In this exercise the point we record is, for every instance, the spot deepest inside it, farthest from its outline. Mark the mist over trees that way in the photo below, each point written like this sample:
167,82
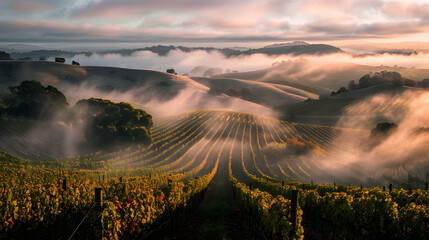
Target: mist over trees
33,101
103,123
110,124
378,134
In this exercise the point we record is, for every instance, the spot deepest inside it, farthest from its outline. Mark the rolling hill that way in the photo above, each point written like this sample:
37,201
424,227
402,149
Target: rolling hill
158,92
195,141
265,94
320,78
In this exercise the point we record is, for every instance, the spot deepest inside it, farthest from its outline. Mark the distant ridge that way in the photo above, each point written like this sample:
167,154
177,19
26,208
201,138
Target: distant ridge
294,48
294,43
300,49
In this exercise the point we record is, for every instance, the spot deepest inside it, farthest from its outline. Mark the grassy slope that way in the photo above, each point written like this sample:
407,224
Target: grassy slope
265,94
323,78
153,90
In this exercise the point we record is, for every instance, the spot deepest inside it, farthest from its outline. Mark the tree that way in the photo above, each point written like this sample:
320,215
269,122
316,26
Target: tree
31,100
60,60
341,90
5,56
398,82
75,63
383,129
365,81
110,124
378,134
425,83
353,85
172,71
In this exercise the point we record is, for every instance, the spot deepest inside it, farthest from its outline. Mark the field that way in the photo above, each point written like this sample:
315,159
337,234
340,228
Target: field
158,187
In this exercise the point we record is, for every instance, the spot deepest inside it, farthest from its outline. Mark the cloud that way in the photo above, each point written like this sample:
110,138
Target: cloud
30,6
330,28
392,28
406,10
236,20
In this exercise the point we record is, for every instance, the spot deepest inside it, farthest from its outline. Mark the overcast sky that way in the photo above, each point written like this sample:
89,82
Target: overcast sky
214,20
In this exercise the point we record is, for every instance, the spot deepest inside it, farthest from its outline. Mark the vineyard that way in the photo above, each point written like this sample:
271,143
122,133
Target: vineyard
276,169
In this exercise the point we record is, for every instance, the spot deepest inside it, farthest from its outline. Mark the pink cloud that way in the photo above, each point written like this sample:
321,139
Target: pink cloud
409,10
29,6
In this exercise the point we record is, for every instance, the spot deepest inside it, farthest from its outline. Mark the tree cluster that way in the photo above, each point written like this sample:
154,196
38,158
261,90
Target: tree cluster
107,124
33,101
5,56
395,78
110,124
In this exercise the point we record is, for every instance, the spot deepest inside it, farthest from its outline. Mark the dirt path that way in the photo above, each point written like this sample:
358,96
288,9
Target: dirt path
218,216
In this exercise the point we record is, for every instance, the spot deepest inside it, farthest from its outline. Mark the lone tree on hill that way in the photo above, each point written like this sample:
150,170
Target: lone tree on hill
60,60
110,125
172,71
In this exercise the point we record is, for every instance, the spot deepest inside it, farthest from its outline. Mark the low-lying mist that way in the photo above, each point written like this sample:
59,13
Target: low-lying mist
190,62
187,99
402,153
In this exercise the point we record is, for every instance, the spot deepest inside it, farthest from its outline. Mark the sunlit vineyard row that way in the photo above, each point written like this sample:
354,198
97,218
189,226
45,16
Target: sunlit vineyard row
355,212
49,201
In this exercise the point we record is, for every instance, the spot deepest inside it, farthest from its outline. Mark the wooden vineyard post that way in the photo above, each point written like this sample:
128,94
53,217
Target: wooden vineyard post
390,187
334,184
98,212
64,186
283,183
311,182
250,186
410,191
426,188
384,188
294,210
